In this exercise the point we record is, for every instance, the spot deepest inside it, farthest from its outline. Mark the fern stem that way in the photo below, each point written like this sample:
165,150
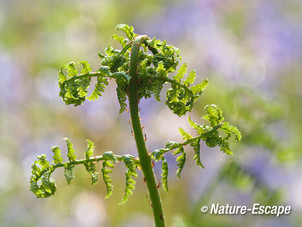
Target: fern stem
144,157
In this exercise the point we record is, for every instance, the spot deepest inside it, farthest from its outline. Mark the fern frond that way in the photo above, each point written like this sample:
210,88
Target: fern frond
210,134
181,72
181,160
43,186
130,174
68,173
191,78
196,148
57,157
127,29
185,135
40,182
107,178
164,174
71,156
120,39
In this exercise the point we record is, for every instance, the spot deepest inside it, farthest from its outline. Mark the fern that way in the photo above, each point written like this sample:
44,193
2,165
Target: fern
181,72
165,171
130,173
68,172
90,166
57,157
141,69
181,160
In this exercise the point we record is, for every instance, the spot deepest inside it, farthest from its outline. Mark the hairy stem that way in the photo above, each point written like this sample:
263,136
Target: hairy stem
144,157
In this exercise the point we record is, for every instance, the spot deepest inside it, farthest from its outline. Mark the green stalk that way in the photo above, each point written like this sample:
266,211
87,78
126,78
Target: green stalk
144,157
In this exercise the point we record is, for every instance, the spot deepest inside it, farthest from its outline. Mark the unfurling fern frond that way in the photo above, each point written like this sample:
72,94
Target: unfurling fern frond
43,186
181,160
180,97
164,174
196,147
181,72
68,172
130,174
107,178
57,157
210,134
109,162
140,68
127,29
70,154
74,85
90,166
40,182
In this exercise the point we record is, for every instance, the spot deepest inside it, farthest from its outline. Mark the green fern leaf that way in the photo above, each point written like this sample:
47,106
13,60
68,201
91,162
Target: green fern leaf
57,157
180,162
127,29
199,88
122,94
171,145
108,163
86,66
130,173
90,149
120,39
40,182
161,71
91,168
165,171
214,116
196,148
68,173
195,126
190,79
71,70
62,77
231,130
181,72
71,156
178,151
130,185
184,134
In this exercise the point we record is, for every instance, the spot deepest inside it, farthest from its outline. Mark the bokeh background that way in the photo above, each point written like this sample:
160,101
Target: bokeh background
251,52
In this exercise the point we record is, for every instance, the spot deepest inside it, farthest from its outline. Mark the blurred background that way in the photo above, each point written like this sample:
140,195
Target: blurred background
251,53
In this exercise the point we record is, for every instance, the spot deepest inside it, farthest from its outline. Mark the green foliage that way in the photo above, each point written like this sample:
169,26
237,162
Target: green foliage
107,178
196,147
40,182
109,161
90,166
211,134
70,154
68,172
154,62
181,73
164,175
217,133
127,29
184,134
181,160
157,60
130,173
57,157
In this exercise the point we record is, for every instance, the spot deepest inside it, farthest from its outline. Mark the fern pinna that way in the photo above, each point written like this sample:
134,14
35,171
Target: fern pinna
140,69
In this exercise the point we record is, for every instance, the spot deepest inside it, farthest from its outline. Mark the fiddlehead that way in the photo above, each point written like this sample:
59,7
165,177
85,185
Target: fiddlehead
140,69
209,133
43,186
130,173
